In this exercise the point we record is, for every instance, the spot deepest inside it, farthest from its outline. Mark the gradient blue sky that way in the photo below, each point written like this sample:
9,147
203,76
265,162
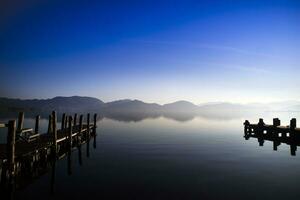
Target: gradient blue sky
155,51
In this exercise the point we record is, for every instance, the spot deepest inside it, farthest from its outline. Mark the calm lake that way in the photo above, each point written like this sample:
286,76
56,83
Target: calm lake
163,158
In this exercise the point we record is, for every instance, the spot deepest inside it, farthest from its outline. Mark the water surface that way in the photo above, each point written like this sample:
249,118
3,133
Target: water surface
161,158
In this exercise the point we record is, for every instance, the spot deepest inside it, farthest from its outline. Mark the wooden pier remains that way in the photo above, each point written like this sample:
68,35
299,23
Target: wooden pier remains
27,147
275,133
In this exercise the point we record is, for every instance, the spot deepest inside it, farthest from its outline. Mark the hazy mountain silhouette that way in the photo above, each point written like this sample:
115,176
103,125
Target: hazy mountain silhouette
135,110
60,104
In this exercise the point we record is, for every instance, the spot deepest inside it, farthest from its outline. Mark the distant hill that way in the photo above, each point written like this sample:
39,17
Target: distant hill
181,107
60,104
135,110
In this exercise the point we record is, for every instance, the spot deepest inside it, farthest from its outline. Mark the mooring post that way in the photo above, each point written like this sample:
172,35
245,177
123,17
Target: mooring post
37,124
75,119
63,119
54,132
79,140
79,135
20,121
88,125
70,132
11,142
95,125
70,145
50,126
260,126
293,124
66,122
246,126
276,122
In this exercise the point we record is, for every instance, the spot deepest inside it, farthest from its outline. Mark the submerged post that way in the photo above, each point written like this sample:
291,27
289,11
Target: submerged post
37,123
11,142
20,121
54,132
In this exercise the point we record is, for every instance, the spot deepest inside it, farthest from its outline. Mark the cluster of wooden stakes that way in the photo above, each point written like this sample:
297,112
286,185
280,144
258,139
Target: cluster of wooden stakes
28,149
276,133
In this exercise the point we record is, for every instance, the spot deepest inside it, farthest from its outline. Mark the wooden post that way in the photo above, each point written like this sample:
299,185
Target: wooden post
75,119
66,122
20,121
50,130
80,123
261,122
95,124
11,139
80,130
37,123
276,122
70,132
63,119
70,145
54,131
293,124
88,125
246,126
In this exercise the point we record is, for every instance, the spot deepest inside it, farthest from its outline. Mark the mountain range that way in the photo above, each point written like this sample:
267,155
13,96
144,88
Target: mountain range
135,109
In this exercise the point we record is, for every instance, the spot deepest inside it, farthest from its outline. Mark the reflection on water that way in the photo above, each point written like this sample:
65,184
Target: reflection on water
33,168
163,158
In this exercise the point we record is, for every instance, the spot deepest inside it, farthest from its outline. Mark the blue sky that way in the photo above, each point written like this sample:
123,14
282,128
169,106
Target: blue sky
155,51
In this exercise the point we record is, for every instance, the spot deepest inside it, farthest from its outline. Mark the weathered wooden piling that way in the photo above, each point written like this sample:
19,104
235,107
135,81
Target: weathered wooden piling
278,134
11,142
63,119
37,124
276,122
95,124
75,119
30,156
293,124
20,121
50,124
88,125
54,132
80,129
66,122
70,131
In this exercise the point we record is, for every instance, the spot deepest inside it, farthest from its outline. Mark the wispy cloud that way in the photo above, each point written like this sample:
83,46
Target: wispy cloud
207,46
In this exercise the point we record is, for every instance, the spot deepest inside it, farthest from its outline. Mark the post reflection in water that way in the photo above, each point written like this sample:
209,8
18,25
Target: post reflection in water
275,133
30,171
